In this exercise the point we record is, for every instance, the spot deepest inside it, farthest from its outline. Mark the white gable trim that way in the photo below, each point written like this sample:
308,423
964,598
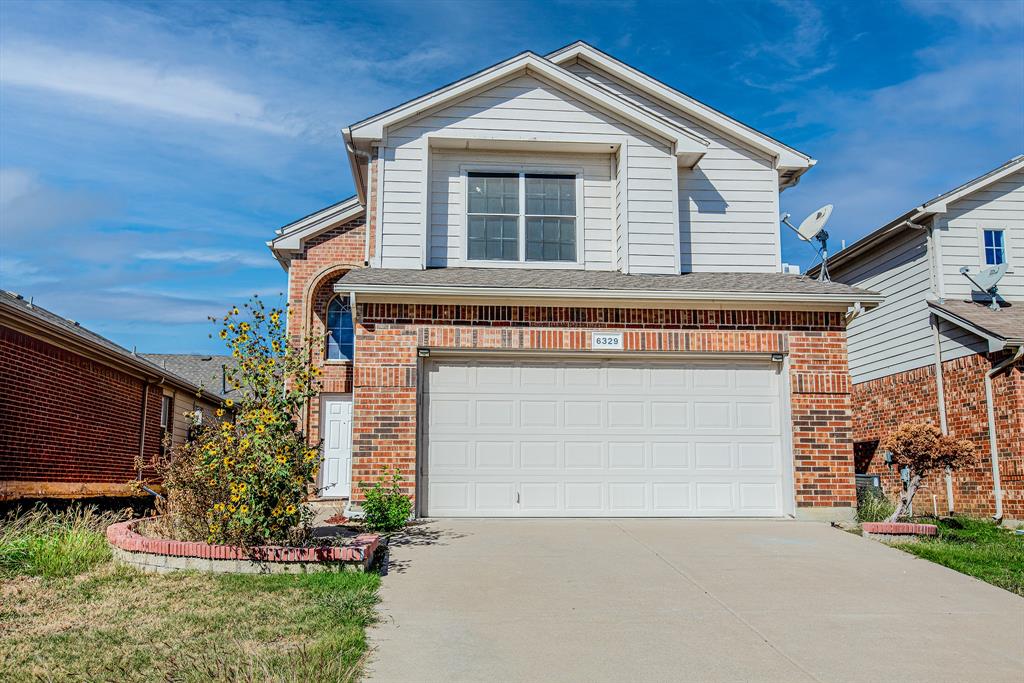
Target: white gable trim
787,157
689,147
941,203
293,236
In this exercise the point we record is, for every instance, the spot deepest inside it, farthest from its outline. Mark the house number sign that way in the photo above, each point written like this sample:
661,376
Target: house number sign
606,341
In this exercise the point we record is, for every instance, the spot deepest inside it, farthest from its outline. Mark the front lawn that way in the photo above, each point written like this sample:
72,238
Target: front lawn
978,548
85,618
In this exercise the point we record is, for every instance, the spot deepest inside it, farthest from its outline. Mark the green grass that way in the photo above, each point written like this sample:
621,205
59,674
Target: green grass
978,548
873,506
113,623
53,544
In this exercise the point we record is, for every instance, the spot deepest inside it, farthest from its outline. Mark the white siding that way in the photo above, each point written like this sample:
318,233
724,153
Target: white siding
728,217
956,342
896,336
998,206
526,104
448,194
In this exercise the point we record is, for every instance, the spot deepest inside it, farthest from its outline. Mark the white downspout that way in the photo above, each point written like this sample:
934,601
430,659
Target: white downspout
993,447
940,393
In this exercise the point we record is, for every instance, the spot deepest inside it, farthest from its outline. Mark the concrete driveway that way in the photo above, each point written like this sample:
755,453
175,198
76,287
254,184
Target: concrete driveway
688,600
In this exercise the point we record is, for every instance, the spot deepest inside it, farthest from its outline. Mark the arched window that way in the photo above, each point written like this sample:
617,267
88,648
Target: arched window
340,335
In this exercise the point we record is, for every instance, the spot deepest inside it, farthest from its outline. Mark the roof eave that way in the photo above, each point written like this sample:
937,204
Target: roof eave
704,299
786,156
686,145
142,368
995,341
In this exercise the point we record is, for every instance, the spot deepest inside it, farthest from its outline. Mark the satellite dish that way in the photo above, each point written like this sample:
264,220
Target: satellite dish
986,280
813,228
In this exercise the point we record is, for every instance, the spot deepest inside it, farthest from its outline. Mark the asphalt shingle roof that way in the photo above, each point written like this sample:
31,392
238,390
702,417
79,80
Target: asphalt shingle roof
527,278
207,371
1006,323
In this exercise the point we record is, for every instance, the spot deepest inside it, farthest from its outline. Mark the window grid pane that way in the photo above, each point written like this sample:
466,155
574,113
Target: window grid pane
494,238
340,332
995,252
550,239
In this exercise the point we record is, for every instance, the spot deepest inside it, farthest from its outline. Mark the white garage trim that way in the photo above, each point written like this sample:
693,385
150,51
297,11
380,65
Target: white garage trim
583,435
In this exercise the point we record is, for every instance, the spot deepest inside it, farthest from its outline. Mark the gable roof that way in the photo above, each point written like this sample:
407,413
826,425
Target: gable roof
787,157
685,144
291,238
15,309
1001,328
935,205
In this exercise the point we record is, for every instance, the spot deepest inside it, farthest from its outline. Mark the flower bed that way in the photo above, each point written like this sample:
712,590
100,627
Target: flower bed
162,555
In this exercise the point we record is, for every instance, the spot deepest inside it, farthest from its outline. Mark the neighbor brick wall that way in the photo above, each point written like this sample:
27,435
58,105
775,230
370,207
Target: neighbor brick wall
882,404
67,418
388,336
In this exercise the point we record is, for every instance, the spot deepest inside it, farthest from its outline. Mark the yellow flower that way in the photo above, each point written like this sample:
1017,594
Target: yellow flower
220,412
228,462
229,403
260,429
243,445
244,327
281,458
225,426
231,508
276,512
213,465
223,334
244,509
275,317
310,455
290,509
242,487
219,507
234,311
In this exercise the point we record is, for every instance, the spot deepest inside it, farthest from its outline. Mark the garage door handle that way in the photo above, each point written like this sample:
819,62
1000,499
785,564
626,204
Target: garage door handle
517,496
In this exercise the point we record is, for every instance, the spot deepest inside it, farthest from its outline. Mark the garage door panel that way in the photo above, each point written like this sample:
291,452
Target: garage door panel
602,438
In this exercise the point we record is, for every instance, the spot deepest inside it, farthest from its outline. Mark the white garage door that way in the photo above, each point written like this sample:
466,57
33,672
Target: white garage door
566,438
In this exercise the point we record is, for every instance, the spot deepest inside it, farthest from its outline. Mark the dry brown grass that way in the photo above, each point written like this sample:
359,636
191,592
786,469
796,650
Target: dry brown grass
117,624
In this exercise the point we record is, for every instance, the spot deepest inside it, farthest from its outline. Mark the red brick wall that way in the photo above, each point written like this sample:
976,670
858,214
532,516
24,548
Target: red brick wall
67,418
882,404
385,377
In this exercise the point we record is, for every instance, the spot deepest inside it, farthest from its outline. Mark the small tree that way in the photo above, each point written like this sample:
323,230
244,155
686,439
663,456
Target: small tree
923,449
244,480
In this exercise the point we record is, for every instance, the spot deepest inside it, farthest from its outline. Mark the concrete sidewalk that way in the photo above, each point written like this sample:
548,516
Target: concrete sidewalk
696,600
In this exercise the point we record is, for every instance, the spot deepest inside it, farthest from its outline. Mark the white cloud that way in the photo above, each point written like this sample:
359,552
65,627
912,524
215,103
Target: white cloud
1000,15
143,85
16,273
210,256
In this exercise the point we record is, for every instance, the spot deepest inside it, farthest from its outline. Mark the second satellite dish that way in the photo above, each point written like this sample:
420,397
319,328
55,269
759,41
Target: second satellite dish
986,281
813,228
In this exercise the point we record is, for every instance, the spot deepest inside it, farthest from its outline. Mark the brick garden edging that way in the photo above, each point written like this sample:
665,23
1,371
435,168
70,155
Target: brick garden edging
162,555
897,532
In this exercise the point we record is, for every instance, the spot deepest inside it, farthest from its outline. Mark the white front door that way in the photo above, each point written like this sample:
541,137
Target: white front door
336,427
622,438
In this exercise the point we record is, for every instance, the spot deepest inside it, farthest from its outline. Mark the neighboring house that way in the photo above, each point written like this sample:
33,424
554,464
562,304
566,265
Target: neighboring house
78,413
925,353
203,370
558,292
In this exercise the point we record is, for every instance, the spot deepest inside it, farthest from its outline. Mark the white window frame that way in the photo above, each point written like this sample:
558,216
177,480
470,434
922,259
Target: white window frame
522,170
1006,245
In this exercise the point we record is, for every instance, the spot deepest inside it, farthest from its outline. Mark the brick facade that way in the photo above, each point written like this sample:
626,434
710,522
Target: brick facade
68,419
388,337
882,404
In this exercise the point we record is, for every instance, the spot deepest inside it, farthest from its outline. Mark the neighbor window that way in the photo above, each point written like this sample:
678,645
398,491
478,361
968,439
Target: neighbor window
340,334
995,249
521,217
166,420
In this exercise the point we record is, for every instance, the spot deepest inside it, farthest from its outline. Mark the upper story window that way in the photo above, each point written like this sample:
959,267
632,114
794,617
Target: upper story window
995,248
521,217
340,333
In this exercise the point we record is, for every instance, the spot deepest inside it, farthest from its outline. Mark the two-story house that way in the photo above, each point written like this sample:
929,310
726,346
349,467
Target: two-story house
558,292
935,351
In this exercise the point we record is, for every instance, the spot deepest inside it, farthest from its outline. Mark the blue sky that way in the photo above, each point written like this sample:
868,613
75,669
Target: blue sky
148,150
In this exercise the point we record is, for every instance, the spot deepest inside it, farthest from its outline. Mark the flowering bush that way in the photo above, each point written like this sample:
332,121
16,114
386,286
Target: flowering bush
386,508
921,449
244,480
